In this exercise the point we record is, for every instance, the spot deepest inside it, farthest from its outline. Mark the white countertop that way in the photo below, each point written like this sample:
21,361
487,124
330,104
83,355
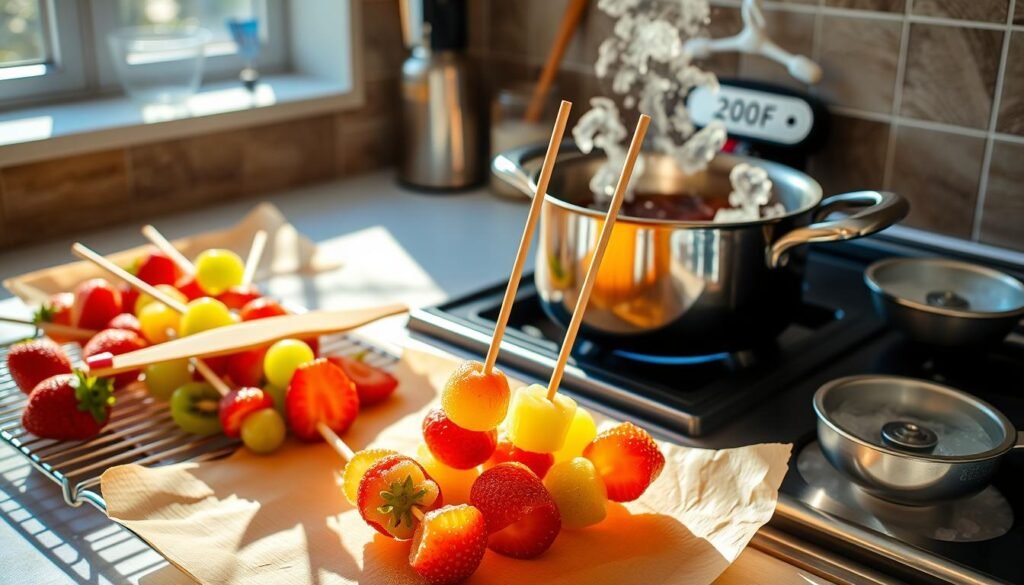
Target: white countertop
395,245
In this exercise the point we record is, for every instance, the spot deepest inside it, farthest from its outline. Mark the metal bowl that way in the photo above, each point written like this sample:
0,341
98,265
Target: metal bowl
911,441
944,302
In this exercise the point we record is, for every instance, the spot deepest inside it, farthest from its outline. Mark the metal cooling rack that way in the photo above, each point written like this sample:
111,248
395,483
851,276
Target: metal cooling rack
140,431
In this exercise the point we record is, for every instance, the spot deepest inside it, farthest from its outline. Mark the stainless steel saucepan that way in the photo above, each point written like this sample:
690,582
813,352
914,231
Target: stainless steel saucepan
685,287
911,441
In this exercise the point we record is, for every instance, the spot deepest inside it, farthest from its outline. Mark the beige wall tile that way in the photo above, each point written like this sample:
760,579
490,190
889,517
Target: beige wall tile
544,19
508,26
725,22
854,156
876,5
939,173
874,46
1002,218
384,50
3,220
477,25
67,195
288,154
383,98
1011,106
367,147
595,27
982,10
951,74
792,30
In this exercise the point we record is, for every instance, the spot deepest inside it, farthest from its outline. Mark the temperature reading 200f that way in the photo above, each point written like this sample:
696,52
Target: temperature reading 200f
749,112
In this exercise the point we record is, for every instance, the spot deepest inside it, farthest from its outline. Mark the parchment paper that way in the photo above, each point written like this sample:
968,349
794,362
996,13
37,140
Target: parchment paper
281,519
287,252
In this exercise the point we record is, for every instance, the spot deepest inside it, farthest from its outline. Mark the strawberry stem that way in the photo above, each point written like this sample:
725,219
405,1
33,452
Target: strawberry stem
94,395
400,500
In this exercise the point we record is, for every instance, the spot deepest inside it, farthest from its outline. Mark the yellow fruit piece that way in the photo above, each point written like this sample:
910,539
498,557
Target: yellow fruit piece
455,483
474,400
203,314
582,431
218,269
159,322
356,469
579,492
536,423
145,300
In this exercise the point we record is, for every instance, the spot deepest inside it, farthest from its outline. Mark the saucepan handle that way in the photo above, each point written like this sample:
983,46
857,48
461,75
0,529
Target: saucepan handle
510,166
877,211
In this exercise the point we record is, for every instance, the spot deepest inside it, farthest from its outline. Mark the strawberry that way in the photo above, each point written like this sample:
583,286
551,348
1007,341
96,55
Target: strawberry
449,544
245,368
33,361
390,489
157,268
374,385
218,364
261,308
628,460
68,407
115,342
522,517
455,446
505,451
127,322
237,297
129,296
96,303
57,310
238,404
320,392
188,286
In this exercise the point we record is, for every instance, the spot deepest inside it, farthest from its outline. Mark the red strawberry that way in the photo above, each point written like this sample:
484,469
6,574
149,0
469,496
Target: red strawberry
449,544
245,368
539,463
129,296
115,342
188,286
628,460
57,310
320,392
521,515
455,446
68,407
388,492
237,297
33,361
125,321
96,303
238,404
157,268
374,385
261,308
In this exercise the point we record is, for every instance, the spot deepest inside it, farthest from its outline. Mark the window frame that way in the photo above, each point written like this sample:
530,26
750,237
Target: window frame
79,64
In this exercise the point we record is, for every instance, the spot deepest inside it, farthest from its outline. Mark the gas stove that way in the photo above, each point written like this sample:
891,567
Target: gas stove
764,395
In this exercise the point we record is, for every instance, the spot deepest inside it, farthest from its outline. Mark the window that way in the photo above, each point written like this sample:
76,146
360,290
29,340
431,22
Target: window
44,54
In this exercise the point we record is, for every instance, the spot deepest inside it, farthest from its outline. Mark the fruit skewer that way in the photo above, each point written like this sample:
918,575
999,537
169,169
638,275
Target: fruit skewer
53,329
165,246
252,261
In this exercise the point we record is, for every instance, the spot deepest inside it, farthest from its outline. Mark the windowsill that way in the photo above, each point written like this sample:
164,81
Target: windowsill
33,134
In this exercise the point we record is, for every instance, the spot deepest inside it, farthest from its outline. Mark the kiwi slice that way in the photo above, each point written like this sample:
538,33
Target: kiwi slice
195,407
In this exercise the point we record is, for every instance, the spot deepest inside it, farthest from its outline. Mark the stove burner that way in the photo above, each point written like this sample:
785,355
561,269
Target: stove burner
946,299
983,516
909,436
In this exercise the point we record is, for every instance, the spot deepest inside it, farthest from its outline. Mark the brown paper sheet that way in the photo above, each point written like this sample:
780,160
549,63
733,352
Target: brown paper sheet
287,252
281,519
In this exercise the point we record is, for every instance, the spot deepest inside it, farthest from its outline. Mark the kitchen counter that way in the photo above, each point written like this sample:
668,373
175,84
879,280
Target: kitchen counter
393,244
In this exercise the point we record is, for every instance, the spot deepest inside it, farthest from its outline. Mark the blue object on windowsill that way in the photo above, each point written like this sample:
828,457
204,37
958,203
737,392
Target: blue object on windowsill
246,34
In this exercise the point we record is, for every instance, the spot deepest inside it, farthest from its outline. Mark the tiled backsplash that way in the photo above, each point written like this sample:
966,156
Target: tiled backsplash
927,99
927,96
56,197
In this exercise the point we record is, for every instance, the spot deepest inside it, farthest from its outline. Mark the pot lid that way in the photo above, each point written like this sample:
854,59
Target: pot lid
947,287
914,418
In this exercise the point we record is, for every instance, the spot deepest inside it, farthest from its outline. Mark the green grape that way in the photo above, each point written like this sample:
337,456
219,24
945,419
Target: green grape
164,378
277,394
203,314
195,407
217,270
263,431
283,358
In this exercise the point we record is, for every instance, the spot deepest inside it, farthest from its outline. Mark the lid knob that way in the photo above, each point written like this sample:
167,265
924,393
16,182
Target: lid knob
947,299
908,436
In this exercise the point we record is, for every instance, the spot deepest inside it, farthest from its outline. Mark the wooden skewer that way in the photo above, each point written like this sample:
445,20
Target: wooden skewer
573,13
524,244
335,441
85,253
53,328
252,262
595,262
210,376
241,336
153,235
